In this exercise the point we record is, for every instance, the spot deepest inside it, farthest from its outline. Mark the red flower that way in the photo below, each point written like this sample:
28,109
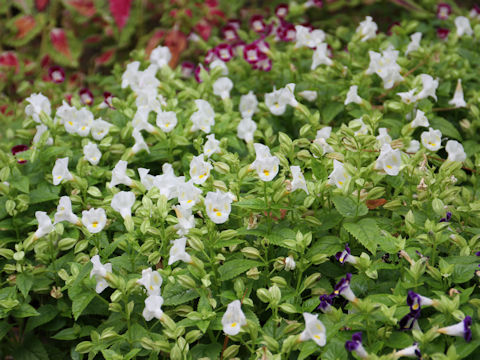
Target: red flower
56,74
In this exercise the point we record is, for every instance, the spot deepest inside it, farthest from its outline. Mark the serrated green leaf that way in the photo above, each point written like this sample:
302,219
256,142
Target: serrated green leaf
349,207
235,267
47,313
366,232
174,294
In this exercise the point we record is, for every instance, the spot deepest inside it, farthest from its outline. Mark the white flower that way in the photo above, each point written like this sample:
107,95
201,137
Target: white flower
199,169
153,307
411,351
60,171
367,29
131,74
287,95
463,26
84,120
321,139
44,224
458,101
211,146
305,37
429,87
408,97
119,175
160,56
222,87
246,128
265,164
100,272
146,179
218,63
389,160
298,181
414,146
148,100
431,139
455,151
166,120
338,176
272,101
151,280
234,318
188,194
308,95
420,120
140,120
168,183
320,56
140,143
177,251
314,330
290,263
414,43
204,118
64,211
100,128
64,112
40,130
218,206
352,96
123,202
91,153
94,219
385,66
186,220
248,105
358,123
37,104
383,137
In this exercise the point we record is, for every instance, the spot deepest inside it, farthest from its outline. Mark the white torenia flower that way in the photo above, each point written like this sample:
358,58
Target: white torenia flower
140,120
246,128
222,87
389,160
168,183
60,171
248,105
122,202
153,307
147,100
100,128
408,97
131,74
298,181
383,137
429,88
460,329
64,211
385,66
204,118
186,220
160,56
147,180
352,96
287,95
151,280
177,251
94,219
314,330
308,95
188,194
218,206
367,29
272,101
420,120
199,169
360,125
45,225
140,143
455,151
40,130
119,175
338,176
211,146
458,101
84,120
265,164
166,120
234,318
463,26
36,104
414,43
431,139
217,63
290,263
414,146
306,37
320,56
411,351
321,139
91,153
100,272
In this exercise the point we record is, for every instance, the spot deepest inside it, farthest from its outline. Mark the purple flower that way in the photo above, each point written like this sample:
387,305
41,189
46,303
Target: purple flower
265,64
356,345
442,33
447,217
410,351
86,96
281,10
56,74
409,321
343,288
477,253
416,301
251,53
224,52
345,256
460,329
325,303
19,149
443,11
257,23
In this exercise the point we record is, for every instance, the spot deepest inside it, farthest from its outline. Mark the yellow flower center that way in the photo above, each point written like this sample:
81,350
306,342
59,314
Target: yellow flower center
266,172
70,123
415,307
95,224
316,337
59,177
218,213
389,166
234,324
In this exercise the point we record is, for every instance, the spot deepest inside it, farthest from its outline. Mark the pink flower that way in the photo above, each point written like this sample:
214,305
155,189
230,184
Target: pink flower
286,32
281,10
224,52
443,11
251,53
230,33
107,99
257,23
234,22
56,74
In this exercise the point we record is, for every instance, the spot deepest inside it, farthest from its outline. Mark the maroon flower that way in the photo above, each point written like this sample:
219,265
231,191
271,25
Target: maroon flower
107,99
230,33
211,55
234,22
86,96
19,149
286,32
224,52
442,33
281,10
257,23
56,74
187,68
198,69
443,11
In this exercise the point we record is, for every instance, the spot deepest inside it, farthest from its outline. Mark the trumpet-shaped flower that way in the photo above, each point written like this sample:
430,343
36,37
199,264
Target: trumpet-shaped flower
140,120
151,280
443,11
304,36
385,66
408,97
168,183
153,307
222,87
460,329
36,104
389,160
248,105
64,211
44,224
100,272
60,171
414,43
420,120
352,96
383,137
160,56
204,118
94,219
416,301
40,130
355,345
320,56
298,181
188,194
360,125
455,151
86,96
272,100
411,351
308,95
246,128
140,143
177,251
458,101
429,87
314,330
290,263
84,120
367,29
166,120
218,206
199,169
265,164
287,95
432,139
410,321
122,202
119,175
338,176
234,318
322,137
91,153
345,256
211,146
414,146
463,26
343,288
146,179
131,74
100,128
186,220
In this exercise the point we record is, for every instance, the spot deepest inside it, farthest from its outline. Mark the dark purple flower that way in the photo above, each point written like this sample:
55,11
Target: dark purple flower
443,11
356,345
416,301
86,96
442,33
281,10
345,256
224,52
229,33
188,68
238,47
447,217
107,99
262,45
326,302
467,331
257,23
343,288
460,329
409,321
477,253
19,149
475,12
56,74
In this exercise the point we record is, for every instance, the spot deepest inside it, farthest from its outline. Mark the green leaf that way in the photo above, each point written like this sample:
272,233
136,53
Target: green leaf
366,232
252,204
4,328
30,349
24,310
44,192
235,267
331,110
174,294
318,169
335,350
47,313
210,351
21,183
24,283
446,127
349,207
399,340
307,348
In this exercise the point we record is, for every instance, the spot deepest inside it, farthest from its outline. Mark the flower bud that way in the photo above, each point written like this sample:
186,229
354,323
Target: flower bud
186,281
231,351
251,253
